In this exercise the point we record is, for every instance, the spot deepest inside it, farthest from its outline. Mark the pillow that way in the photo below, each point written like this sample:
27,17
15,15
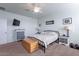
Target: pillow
43,33
49,33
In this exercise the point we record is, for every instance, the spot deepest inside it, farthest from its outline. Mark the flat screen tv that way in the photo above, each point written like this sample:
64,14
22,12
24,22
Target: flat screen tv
16,22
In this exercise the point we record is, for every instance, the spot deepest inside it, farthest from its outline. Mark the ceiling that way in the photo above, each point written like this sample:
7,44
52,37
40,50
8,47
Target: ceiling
46,8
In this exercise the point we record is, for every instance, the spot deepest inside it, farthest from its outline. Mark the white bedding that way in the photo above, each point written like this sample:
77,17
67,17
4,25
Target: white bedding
46,38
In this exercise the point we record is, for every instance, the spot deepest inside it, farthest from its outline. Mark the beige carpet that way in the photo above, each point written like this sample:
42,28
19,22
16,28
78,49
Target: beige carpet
16,49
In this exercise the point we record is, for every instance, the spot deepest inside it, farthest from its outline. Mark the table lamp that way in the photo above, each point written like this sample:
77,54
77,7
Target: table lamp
67,28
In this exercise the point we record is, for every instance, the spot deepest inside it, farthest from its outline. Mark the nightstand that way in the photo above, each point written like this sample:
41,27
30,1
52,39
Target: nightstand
63,40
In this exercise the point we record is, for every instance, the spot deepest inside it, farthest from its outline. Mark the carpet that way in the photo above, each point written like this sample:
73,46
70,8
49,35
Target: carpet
16,49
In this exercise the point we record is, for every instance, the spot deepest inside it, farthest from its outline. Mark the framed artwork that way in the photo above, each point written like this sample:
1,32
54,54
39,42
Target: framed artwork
67,20
49,22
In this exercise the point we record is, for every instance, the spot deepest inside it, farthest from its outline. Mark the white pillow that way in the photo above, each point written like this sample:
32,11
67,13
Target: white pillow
48,33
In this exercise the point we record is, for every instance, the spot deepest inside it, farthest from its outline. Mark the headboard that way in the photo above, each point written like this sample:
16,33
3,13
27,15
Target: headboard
52,31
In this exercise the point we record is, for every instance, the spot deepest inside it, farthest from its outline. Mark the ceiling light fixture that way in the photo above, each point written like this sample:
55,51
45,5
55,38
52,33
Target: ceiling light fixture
36,9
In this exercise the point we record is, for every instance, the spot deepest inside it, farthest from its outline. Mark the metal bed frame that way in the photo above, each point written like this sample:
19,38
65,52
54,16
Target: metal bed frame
57,41
44,48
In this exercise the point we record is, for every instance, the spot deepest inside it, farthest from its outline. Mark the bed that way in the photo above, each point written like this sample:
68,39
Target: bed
46,37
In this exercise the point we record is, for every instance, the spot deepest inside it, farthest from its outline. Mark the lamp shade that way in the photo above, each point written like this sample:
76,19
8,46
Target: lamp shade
66,28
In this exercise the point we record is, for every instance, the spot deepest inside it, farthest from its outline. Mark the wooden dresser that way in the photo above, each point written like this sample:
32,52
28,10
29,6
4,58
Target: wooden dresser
30,44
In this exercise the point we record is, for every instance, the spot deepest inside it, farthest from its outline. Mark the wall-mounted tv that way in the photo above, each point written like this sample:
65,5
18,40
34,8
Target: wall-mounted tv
16,22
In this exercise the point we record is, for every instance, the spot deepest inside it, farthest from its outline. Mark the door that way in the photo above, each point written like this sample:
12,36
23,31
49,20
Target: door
3,31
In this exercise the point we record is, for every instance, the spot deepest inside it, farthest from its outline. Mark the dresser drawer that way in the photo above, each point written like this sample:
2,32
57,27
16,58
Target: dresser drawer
63,40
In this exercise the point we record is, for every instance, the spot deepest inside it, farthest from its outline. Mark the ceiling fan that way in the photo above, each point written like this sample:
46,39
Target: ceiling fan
33,7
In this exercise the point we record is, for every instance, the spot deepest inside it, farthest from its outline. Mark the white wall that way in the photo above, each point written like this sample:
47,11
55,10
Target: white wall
70,11
29,24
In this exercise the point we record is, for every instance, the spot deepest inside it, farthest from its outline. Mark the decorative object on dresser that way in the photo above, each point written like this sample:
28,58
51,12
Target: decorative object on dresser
38,29
30,44
63,40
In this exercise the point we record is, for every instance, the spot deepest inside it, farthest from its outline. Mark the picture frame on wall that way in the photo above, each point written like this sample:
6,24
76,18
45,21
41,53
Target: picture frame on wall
67,20
50,22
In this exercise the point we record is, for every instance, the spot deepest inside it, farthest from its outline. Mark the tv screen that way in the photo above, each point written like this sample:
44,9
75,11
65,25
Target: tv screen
16,22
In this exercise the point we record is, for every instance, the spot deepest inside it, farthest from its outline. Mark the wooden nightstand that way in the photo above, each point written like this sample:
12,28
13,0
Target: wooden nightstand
30,44
63,40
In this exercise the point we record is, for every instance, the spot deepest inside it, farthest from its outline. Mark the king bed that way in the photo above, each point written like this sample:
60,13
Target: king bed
46,37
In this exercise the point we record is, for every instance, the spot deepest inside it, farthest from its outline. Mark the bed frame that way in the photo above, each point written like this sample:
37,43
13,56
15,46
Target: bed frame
44,48
43,44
